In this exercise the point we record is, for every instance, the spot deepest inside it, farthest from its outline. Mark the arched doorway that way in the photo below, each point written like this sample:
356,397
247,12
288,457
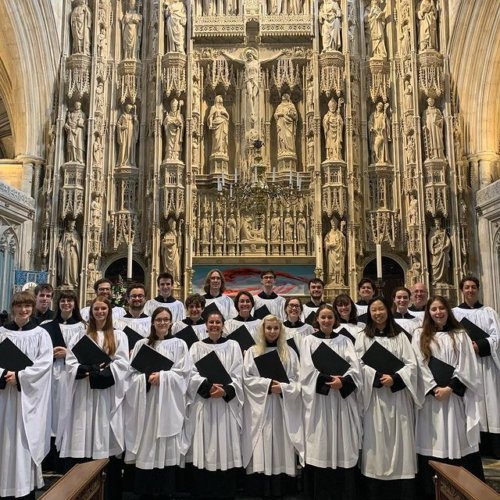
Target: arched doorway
392,272
117,271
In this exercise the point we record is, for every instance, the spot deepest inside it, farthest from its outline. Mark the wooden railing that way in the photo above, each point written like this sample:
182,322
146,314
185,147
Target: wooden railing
456,483
82,482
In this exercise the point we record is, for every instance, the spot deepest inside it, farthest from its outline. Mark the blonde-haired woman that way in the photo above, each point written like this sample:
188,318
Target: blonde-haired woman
91,419
272,414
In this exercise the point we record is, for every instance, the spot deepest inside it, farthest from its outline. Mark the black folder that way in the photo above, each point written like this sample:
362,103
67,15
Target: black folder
327,361
345,332
87,352
441,371
310,318
270,366
291,342
132,336
363,318
188,335
54,330
211,308
147,360
262,312
473,331
12,358
212,369
243,337
382,360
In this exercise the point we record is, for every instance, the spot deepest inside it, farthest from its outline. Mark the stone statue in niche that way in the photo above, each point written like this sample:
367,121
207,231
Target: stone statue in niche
301,228
127,130
310,94
68,253
433,123
405,39
413,211
175,26
173,125
275,227
81,23
286,124
330,18
205,229
335,249
75,134
379,127
218,229
170,258
246,233
252,64
131,31
97,151
439,248
333,126
288,226
375,26
408,96
218,123
427,33
231,229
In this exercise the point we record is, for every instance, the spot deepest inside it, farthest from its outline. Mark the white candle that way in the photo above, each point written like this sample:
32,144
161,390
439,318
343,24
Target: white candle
219,186
235,176
230,190
291,178
129,260
379,260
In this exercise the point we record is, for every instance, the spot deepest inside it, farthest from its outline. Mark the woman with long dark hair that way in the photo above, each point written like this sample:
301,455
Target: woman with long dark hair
272,414
388,452
346,313
24,403
331,411
91,419
447,427
244,303
155,406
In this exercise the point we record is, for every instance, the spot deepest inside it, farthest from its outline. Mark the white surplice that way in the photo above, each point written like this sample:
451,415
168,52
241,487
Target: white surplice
213,426
154,419
176,307
25,415
225,305
489,366
388,449
91,420
200,330
449,428
275,305
272,432
332,424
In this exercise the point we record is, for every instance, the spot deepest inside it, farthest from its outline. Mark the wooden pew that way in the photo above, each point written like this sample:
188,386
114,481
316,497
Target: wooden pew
456,483
82,482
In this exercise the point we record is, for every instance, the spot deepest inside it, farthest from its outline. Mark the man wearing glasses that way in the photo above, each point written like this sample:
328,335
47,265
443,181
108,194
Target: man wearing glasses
103,288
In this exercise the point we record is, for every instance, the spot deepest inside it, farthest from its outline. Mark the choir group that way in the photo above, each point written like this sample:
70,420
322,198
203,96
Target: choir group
358,397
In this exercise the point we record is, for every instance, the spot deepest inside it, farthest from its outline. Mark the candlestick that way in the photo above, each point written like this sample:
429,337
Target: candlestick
129,260
378,248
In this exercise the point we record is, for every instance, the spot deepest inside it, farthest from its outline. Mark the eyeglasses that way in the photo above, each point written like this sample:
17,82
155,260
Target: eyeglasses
294,306
162,320
137,296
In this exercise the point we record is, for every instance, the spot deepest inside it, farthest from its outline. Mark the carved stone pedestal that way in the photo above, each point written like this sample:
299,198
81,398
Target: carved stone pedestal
78,75
332,72
205,248
379,79
129,79
287,163
174,73
430,73
301,248
72,189
275,248
334,289
253,248
219,164
231,249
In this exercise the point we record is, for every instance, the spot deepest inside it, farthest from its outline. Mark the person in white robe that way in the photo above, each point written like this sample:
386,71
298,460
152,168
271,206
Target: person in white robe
66,325
165,283
103,287
332,418
154,408
214,287
268,297
388,458
447,426
295,328
214,417
316,288
272,431
419,297
488,357
91,415
366,292
24,403
402,315
195,304
346,314
244,303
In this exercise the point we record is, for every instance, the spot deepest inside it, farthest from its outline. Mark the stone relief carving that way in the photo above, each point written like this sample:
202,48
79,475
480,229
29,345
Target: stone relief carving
170,257
286,123
432,124
335,249
81,24
131,32
427,33
69,252
333,126
379,127
439,245
75,134
375,26
127,131
218,124
330,18
174,130
175,26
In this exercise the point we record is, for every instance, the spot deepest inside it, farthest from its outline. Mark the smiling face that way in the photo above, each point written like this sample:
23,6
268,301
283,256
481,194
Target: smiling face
326,320
439,314
104,289
366,291
214,324
316,291
470,291
244,305
136,299
165,287
293,310
268,281
43,300
22,313
344,310
194,311
379,314
162,322
401,300
100,311
272,329
66,305
215,283
419,295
